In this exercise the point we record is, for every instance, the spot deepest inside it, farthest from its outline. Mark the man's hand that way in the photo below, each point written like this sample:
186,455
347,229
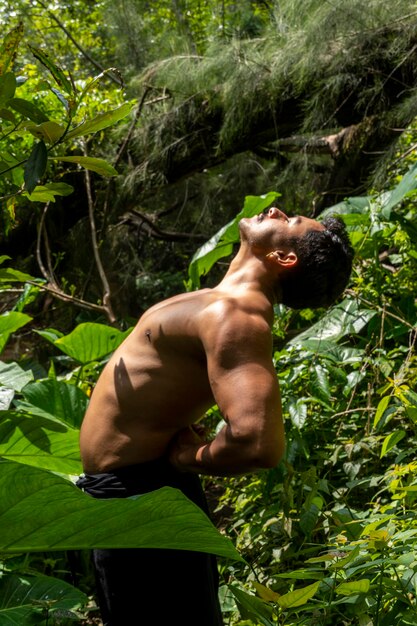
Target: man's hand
187,440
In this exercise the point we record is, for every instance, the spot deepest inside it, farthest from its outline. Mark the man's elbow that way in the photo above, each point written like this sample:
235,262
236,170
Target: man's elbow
268,456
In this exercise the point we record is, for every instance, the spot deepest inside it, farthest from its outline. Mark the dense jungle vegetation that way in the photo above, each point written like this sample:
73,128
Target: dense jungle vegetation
134,135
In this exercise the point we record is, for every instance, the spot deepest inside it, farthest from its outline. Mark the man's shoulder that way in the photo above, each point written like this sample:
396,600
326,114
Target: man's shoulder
229,320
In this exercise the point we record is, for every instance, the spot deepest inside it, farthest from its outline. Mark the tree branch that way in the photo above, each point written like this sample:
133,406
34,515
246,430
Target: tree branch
136,218
106,287
65,297
52,286
84,52
328,144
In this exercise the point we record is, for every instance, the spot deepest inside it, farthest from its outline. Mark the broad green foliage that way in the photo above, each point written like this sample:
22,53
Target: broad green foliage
54,514
9,323
38,118
89,342
43,511
29,599
331,532
39,441
329,536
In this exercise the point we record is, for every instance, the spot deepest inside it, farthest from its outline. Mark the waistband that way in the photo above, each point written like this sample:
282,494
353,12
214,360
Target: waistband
131,480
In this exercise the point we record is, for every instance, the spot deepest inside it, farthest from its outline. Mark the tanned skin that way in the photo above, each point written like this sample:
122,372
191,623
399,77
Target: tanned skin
195,350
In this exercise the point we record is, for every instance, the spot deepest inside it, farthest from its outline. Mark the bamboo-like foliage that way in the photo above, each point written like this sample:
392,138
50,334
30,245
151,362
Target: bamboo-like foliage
313,70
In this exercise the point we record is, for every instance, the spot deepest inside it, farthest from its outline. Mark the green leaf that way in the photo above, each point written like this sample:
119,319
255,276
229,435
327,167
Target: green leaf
298,597
298,412
381,408
6,397
50,334
391,440
13,376
303,574
342,562
90,342
35,166
101,121
357,205
89,163
252,608
68,104
7,87
49,131
22,598
7,115
42,511
357,586
10,275
221,244
346,318
9,323
47,192
265,593
40,442
310,515
9,47
28,109
59,398
320,382
56,71
394,197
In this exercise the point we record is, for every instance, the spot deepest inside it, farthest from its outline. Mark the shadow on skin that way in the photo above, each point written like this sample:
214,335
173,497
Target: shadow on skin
123,386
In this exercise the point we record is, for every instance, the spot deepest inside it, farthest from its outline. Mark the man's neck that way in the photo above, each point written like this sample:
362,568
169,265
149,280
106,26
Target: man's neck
249,273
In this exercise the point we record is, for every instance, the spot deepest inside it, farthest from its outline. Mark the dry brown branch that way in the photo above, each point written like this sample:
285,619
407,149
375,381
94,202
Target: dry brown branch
136,218
106,287
52,286
328,144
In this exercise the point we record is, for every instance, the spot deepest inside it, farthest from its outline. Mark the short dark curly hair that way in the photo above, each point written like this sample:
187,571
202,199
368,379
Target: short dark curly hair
323,268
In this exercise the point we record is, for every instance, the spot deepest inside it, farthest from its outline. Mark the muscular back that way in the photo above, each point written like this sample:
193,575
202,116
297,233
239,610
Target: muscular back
155,384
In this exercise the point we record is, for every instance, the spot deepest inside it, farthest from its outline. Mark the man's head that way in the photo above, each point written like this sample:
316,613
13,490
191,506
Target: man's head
312,260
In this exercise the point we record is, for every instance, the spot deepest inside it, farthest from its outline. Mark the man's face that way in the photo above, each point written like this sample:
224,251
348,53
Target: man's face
274,230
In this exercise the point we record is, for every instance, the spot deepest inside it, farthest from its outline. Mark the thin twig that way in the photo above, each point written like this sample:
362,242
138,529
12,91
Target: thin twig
61,295
136,217
52,287
128,137
122,150
84,52
42,230
100,268
380,309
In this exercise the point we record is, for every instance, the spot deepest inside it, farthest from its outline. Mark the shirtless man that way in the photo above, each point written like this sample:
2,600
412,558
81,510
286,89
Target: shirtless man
212,346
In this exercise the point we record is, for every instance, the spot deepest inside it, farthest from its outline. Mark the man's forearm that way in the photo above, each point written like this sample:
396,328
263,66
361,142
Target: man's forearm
224,456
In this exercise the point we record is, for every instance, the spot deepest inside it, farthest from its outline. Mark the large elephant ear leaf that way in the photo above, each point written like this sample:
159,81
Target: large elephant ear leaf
57,398
24,599
39,440
9,323
90,342
347,317
42,511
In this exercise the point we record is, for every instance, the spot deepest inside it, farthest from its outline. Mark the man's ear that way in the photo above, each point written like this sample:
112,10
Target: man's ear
283,259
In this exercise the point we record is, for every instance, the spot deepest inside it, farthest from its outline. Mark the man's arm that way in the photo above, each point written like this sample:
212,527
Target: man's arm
245,387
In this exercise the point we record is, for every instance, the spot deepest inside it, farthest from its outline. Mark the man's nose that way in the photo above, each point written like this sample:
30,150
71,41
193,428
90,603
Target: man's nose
275,213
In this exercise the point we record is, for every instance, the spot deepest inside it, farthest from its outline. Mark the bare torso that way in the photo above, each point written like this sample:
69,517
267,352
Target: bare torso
154,385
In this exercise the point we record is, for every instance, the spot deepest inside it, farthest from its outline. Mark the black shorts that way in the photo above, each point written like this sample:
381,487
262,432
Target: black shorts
153,587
